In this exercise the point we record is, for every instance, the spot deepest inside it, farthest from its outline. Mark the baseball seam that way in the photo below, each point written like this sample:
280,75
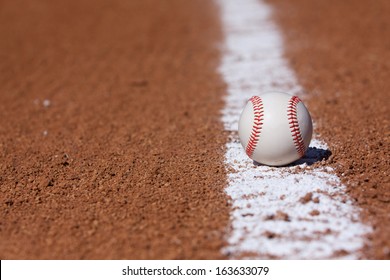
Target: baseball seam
258,112
294,125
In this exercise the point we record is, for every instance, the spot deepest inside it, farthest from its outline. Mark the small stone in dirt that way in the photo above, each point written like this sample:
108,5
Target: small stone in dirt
46,103
282,216
314,213
270,234
305,199
316,200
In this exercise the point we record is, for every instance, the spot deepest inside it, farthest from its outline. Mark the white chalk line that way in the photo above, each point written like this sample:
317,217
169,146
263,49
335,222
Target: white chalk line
269,218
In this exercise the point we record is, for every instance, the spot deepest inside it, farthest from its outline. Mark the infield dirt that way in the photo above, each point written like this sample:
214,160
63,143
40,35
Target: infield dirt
111,145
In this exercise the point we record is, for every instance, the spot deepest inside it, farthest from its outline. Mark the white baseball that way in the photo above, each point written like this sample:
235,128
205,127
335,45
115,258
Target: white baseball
275,128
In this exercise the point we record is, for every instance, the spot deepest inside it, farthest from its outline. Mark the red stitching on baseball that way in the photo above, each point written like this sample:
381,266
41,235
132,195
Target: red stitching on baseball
258,112
294,126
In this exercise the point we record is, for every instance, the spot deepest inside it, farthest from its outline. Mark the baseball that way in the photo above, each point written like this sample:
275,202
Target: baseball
275,128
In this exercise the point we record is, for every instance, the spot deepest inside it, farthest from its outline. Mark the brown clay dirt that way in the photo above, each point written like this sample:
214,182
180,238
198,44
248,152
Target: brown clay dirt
110,141
340,51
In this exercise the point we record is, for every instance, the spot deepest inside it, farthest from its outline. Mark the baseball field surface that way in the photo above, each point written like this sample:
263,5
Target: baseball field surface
119,129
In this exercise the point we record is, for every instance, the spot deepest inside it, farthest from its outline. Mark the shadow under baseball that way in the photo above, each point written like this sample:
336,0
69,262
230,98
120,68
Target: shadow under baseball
311,156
